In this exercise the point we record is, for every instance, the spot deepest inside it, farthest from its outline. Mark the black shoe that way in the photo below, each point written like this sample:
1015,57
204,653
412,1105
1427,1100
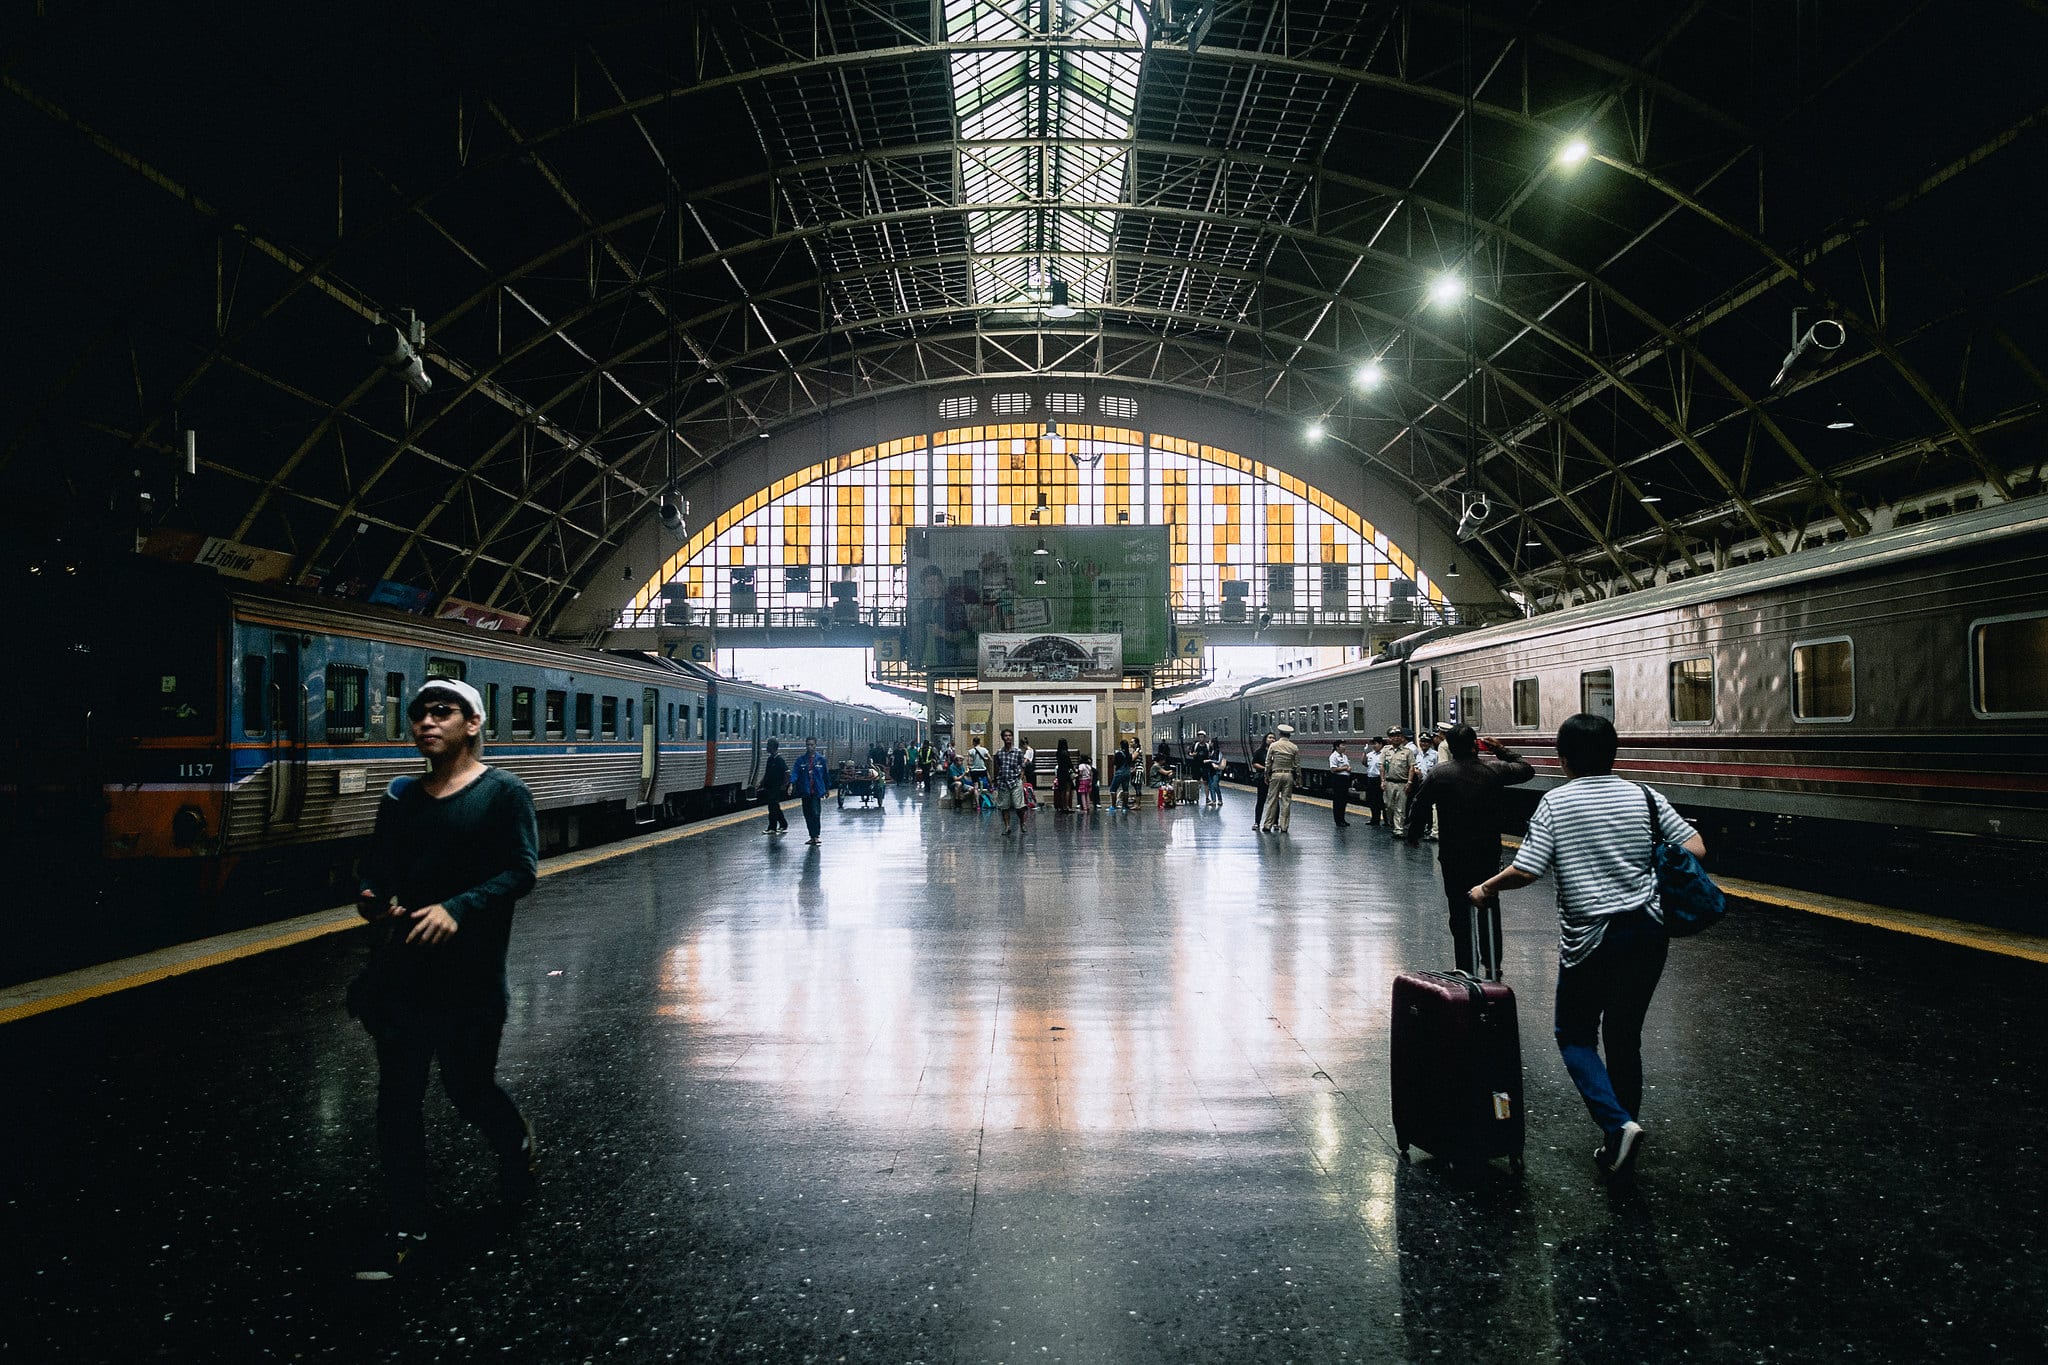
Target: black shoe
403,1256
1617,1156
519,1174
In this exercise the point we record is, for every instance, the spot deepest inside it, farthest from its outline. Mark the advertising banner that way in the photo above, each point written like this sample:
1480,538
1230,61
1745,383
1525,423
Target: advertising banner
971,581
1055,713
1051,658
483,617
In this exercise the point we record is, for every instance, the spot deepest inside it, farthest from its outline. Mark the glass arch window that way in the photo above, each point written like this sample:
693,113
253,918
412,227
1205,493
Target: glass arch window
843,521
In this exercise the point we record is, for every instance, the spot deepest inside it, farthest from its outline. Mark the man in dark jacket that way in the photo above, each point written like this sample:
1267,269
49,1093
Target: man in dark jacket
452,854
1259,778
1465,792
774,786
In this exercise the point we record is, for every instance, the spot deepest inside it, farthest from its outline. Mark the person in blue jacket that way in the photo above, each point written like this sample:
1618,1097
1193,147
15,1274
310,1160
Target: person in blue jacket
811,779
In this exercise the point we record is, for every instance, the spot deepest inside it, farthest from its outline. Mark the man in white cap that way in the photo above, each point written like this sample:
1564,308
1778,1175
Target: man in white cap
454,851
1283,761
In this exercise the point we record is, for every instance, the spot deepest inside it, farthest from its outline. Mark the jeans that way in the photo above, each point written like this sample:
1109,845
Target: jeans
1259,804
1215,780
1604,999
812,806
467,1044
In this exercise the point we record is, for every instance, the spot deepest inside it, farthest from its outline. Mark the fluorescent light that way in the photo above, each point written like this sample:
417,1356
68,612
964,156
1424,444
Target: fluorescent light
1369,375
1446,290
1574,152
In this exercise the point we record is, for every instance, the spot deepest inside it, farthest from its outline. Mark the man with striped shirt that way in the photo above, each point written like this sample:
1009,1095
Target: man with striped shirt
1594,834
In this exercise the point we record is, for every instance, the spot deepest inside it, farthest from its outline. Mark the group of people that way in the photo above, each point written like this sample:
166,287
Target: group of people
456,847
1596,834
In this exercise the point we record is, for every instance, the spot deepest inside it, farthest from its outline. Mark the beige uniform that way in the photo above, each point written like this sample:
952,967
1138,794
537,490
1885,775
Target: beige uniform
1283,761
1397,765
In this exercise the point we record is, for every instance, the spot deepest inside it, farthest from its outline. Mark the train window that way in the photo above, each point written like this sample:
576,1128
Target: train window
585,715
253,690
671,720
522,713
1468,706
724,718
1692,691
608,717
494,719
1596,693
1358,716
2009,666
698,733
1528,702
629,718
1824,679
394,706
347,701
557,714
446,668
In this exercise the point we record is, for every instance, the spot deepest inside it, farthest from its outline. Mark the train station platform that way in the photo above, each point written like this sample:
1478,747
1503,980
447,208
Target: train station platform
1116,1090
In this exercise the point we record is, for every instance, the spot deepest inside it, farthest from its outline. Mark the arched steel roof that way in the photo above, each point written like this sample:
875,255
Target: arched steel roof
638,239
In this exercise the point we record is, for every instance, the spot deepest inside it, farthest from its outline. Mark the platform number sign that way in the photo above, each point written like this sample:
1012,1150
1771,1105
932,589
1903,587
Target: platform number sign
1191,646
695,646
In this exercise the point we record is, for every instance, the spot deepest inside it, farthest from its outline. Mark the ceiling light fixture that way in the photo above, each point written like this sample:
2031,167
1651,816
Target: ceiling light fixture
1452,572
1841,421
1038,579
1056,301
1574,152
1446,290
1041,550
1051,436
1369,375
1316,431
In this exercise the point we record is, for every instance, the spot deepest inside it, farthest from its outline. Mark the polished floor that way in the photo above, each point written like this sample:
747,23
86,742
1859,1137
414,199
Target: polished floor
1112,1091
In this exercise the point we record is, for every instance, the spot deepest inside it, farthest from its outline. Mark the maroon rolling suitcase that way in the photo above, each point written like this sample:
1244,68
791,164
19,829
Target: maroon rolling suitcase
1458,1060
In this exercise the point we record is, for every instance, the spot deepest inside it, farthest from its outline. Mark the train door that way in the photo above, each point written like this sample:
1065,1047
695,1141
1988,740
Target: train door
650,744
287,759
1425,695
754,742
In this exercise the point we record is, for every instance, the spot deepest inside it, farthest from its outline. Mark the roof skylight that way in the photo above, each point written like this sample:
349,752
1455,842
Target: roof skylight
1044,133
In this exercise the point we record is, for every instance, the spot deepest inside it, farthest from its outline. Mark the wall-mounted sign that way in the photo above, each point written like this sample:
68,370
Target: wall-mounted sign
1055,713
1052,658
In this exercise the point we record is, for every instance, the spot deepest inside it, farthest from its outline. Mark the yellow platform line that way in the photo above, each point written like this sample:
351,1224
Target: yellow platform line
1981,937
31,998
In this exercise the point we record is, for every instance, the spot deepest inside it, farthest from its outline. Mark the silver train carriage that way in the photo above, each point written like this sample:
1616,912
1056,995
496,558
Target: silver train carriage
1896,680
251,728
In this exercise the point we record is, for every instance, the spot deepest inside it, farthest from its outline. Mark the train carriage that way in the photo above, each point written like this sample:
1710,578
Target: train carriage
240,739
1896,682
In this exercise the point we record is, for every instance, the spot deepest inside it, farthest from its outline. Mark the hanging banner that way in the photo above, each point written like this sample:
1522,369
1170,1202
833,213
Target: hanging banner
1055,713
1052,658
483,617
969,581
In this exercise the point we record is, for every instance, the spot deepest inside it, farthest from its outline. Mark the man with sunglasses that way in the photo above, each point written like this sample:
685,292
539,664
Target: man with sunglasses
453,852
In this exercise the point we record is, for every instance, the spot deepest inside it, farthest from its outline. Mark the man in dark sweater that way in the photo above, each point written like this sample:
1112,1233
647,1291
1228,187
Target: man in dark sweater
1465,791
775,786
453,852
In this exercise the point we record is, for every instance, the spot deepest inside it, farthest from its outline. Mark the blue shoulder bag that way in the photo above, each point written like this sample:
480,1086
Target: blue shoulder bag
1692,903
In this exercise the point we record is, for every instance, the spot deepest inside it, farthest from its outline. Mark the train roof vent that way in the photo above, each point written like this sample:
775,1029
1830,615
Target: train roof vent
1968,502
1909,516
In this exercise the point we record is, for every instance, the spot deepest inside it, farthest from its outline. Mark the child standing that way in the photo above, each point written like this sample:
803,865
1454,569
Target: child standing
1084,783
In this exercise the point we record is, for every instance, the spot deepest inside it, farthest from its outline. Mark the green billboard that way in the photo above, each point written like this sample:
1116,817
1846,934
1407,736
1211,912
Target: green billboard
969,580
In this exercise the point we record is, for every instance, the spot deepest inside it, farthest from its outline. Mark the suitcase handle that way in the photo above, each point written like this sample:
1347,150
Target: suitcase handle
1486,948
